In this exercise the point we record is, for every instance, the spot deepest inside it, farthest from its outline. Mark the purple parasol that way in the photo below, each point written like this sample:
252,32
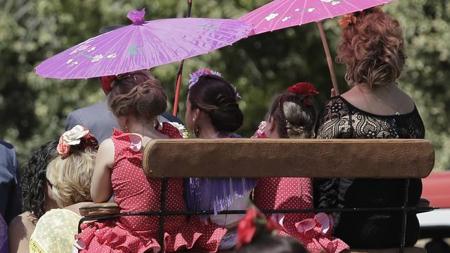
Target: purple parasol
143,45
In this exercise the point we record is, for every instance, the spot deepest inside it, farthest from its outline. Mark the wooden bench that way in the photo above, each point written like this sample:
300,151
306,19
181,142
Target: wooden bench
312,158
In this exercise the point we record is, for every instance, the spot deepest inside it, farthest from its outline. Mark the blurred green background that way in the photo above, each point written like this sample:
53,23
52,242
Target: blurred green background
33,109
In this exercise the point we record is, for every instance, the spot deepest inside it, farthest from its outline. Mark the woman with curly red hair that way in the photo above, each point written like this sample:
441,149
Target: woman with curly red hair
372,49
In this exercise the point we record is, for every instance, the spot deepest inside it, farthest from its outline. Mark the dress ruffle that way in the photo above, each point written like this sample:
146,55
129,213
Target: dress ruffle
315,233
106,237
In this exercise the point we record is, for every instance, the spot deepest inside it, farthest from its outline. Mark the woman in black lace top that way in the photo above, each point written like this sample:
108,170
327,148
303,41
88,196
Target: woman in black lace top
374,107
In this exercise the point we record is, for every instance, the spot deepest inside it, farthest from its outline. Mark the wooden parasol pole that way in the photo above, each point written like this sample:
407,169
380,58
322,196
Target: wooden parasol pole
180,73
329,59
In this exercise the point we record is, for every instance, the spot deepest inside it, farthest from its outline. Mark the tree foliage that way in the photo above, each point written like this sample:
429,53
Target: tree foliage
32,109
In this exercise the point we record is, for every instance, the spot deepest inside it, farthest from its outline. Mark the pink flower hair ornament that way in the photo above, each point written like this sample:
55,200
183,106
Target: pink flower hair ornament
76,138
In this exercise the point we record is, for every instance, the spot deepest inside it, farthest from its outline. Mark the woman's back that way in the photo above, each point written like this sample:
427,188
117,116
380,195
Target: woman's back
367,123
342,119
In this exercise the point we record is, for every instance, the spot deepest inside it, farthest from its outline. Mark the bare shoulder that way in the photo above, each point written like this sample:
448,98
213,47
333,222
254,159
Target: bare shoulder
105,152
24,221
382,101
405,99
107,144
20,230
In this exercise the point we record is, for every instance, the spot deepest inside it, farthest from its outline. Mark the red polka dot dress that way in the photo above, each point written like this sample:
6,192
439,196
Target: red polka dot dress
314,231
134,192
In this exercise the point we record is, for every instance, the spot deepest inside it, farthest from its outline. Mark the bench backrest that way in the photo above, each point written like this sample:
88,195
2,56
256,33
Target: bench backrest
381,158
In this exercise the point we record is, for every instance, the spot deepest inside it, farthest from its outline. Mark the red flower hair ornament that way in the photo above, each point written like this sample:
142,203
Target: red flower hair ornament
306,90
254,222
76,138
107,83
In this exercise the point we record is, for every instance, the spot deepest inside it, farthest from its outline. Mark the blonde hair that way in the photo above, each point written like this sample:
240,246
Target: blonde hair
71,177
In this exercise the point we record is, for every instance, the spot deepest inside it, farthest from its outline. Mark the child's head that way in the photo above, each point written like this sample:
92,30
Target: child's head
69,174
212,99
138,95
70,178
293,114
34,178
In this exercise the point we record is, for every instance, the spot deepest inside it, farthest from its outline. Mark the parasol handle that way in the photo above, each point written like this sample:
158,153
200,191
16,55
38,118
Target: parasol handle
180,73
177,89
189,8
329,59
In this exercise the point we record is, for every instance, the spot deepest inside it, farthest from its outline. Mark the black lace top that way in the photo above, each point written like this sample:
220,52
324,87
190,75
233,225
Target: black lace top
341,119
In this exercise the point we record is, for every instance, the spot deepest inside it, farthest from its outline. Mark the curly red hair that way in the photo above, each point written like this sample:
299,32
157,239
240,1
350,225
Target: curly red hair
371,47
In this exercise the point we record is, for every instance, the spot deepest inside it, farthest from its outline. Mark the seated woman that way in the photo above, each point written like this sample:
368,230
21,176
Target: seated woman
58,175
293,115
212,111
372,50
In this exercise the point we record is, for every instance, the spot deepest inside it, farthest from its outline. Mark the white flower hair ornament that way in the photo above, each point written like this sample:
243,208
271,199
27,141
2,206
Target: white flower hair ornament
77,137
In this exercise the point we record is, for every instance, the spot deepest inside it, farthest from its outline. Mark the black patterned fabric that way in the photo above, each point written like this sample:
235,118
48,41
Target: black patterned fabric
341,119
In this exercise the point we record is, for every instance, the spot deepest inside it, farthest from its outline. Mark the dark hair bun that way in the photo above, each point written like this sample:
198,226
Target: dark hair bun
227,118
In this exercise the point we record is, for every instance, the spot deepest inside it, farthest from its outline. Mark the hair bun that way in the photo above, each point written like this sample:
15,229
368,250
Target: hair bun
227,117
139,94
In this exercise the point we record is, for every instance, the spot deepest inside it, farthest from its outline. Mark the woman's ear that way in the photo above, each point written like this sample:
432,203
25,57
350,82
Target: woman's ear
196,115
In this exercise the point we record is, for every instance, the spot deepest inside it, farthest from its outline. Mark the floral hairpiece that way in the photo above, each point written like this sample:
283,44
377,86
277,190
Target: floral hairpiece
261,132
252,223
305,89
346,20
107,83
351,18
79,137
194,77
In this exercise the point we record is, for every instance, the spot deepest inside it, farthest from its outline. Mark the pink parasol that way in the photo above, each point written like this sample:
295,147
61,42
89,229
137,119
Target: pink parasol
143,45
280,14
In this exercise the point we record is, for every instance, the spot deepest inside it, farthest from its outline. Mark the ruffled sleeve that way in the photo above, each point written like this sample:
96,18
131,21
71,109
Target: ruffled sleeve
315,234
173,130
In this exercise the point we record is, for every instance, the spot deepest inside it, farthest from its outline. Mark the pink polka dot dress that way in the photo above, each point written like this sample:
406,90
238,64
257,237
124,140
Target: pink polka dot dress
134,192
314,231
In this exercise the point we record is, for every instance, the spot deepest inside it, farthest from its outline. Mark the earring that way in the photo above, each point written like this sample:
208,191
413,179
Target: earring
197,132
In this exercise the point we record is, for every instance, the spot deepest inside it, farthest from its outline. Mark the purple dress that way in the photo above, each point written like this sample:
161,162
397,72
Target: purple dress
216,194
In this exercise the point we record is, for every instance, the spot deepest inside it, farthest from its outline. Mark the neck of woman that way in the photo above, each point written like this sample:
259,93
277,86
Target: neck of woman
207,131
144,128
364,88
